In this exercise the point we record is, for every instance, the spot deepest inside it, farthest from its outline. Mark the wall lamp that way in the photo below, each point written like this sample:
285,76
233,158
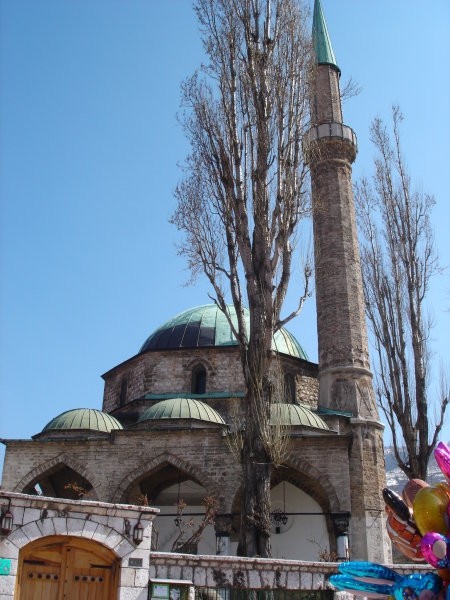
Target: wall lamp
6,519
138,532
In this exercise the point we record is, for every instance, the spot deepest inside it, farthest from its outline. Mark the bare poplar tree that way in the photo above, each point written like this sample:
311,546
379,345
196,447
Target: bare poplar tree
398,261
242,197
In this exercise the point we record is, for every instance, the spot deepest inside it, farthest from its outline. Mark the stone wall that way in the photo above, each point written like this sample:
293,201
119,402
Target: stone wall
254,573
238,572
170,371
113,465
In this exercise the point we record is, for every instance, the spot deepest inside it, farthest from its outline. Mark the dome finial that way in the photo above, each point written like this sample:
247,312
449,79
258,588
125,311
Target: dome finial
322,43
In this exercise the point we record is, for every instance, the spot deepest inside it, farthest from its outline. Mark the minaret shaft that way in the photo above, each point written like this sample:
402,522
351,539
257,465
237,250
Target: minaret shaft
340,303
344,371
327,105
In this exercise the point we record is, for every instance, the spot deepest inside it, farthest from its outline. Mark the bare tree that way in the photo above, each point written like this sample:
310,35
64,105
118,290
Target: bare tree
398,261
184,527
242,197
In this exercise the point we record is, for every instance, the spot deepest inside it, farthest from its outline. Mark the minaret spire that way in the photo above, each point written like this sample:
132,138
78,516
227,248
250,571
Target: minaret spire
321,38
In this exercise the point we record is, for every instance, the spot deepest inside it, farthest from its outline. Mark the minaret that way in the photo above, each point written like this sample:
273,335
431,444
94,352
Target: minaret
345,379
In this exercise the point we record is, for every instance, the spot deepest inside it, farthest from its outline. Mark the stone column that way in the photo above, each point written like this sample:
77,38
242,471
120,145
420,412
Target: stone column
341,522
222,526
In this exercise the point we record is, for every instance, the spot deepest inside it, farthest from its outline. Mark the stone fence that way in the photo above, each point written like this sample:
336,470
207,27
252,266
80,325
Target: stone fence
251,573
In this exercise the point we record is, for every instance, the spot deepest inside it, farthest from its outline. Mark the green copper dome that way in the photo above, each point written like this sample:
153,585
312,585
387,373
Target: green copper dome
205,326
84,418
182,408
295,415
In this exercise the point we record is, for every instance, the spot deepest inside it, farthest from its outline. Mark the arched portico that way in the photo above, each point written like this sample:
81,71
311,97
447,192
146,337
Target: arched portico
164,470
60,477
179,490
308,499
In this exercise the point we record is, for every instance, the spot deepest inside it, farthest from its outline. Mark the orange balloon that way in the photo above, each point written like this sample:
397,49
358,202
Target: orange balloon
404,536
430,505
410,490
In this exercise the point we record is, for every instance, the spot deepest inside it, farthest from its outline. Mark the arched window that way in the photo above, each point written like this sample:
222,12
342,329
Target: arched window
198,383
289,388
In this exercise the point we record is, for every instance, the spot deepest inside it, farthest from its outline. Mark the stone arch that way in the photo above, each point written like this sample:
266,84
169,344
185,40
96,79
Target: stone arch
80,526
198,379
317,484
166,458
200,360
306,477
195,368
102,535
49,465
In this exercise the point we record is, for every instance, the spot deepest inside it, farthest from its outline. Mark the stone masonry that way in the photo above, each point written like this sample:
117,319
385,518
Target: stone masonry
345,379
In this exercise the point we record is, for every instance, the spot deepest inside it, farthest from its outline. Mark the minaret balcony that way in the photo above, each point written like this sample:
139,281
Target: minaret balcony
329,131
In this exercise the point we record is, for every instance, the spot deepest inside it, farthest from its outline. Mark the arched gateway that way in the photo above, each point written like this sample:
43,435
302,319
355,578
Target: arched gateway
56,567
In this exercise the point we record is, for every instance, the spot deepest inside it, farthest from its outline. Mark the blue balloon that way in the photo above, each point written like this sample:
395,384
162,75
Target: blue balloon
378,580
369,569
349,584
412,585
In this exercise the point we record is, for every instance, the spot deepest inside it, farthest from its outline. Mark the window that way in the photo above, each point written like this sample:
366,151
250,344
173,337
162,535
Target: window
123,391
289,388
198,384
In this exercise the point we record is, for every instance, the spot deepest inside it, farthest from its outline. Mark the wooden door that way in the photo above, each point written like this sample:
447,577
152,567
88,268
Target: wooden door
41,582
67,568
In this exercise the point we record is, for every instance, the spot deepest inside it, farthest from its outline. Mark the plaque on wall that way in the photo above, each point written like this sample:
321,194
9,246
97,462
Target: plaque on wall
135,562
5,566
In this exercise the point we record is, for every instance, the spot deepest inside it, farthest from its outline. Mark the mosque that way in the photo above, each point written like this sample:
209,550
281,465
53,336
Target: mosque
170,413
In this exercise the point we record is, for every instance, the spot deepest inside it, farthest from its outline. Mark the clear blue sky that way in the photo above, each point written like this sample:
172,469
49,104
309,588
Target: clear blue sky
89,146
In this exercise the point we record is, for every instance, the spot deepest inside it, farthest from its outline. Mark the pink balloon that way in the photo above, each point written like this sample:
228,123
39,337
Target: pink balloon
442,455
436,550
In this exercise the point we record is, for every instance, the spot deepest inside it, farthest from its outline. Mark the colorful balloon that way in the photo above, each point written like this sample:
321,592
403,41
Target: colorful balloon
418,524
374,581
375,571
405,536
410,490
430,509
400,526
396,504
442,455
436,550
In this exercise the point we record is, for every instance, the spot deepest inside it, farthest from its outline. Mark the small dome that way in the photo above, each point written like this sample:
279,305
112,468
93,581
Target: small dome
84,418
182,408
207,326
294,415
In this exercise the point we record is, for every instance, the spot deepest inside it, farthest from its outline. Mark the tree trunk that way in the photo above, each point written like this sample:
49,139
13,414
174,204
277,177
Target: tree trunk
243,196
255,520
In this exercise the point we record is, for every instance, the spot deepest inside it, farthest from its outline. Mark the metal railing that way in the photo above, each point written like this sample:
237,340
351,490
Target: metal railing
254,594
